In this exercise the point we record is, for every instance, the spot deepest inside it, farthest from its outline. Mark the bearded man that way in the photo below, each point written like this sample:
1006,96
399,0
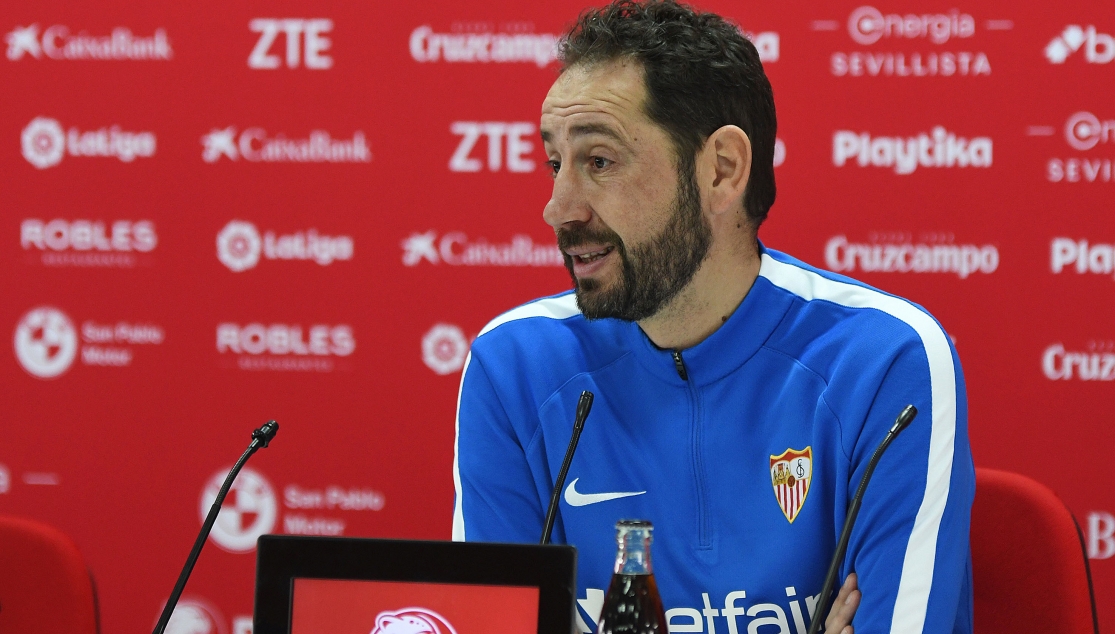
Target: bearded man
739,392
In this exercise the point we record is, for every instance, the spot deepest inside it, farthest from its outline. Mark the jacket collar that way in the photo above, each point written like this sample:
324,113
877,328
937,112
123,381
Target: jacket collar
727,348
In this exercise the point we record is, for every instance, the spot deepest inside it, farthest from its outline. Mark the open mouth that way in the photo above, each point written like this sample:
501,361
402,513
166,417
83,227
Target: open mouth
587,258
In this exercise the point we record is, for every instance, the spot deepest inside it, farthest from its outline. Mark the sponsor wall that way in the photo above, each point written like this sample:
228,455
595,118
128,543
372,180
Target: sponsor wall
215,215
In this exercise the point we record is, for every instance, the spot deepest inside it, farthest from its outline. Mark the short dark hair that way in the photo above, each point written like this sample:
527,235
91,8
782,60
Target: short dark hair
700,73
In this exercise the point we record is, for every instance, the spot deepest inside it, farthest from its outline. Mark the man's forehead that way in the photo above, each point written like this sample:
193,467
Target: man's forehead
602,94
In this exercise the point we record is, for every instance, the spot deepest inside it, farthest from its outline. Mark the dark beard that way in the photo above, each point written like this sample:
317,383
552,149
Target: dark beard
653,273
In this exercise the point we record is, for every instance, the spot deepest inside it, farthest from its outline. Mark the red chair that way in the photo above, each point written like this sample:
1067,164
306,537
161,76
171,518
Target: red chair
45,587
1029,567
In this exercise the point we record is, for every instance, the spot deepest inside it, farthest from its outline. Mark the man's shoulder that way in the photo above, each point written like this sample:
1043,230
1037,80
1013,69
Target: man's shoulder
549,330
835,316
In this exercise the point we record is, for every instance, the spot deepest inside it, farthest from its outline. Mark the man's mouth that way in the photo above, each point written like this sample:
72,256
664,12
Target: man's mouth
588,260
591,256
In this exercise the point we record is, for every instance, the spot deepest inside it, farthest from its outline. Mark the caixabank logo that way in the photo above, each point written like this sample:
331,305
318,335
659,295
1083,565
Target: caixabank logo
47,343
256,145
456,248
240,246
1091,149
44,143
917,43
59,42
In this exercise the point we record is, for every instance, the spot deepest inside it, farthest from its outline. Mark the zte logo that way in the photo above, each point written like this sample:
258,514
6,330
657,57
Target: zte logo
509,136
1099,48
305,43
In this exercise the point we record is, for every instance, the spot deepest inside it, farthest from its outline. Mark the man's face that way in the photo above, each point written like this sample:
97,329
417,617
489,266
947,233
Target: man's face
628,219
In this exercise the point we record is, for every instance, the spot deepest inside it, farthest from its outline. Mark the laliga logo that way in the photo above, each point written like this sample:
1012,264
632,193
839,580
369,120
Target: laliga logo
1084,130
194,616
444,349
868,25
43,142
412,621
45,342
238,246
252,511
1099,48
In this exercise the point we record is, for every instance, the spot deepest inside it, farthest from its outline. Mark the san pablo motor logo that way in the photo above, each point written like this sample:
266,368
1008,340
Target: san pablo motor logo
790,475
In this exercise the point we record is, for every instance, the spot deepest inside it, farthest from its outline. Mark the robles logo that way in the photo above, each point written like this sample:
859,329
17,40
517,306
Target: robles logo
905,256
285,347
57,43
44,144
255,146
86,242
239,246
939,148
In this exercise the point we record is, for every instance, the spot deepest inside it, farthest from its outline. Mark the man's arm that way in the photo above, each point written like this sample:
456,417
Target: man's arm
496,499
910,544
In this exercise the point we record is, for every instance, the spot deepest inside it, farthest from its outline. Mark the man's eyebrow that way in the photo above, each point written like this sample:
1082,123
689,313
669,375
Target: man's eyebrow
585,129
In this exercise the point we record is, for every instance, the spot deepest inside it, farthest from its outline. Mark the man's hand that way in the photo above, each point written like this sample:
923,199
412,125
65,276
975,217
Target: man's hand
839,620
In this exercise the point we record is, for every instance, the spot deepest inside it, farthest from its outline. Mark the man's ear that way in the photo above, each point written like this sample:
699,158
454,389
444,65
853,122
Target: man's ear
724,167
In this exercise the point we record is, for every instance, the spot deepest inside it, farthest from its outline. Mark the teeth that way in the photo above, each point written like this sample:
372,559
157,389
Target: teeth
589,257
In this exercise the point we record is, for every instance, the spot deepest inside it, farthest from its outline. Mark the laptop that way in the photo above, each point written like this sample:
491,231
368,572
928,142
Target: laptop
338,585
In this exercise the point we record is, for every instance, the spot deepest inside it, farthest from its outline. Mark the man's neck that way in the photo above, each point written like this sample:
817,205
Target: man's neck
714,293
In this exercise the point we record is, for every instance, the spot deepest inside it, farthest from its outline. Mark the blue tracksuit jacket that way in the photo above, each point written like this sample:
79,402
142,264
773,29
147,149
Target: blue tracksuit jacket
744,451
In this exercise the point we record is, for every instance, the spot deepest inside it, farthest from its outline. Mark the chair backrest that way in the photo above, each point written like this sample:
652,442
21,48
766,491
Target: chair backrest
1029,567
45,587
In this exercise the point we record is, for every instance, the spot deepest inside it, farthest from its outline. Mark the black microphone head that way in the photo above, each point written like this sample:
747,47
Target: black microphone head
265,433
584,405
904,419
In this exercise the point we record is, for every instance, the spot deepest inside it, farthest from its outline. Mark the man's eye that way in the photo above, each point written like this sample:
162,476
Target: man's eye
555,166
600,162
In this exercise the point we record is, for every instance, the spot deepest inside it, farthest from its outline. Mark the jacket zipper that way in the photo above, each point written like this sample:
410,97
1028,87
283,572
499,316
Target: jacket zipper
703,540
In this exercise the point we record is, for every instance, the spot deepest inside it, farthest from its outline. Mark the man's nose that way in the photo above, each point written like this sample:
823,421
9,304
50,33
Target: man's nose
567,202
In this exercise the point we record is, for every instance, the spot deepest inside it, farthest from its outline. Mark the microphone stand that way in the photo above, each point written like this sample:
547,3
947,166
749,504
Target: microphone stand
584,405
260,439
900,423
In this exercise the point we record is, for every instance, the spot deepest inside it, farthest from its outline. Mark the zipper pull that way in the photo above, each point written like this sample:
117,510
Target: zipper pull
680,365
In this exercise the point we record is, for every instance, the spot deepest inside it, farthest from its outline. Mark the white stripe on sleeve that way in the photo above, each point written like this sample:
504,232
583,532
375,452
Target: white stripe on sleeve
916,581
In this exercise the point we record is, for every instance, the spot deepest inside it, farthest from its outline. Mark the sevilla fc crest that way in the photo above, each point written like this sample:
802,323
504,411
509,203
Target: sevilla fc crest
790,475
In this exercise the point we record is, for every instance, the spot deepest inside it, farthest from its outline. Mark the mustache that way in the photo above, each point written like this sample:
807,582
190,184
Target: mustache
578,235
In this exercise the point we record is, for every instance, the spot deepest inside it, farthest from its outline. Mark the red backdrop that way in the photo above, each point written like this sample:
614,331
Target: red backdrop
212,215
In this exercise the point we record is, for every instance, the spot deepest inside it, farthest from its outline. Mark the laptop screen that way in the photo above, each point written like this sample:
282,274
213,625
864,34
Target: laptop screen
343,606
343,585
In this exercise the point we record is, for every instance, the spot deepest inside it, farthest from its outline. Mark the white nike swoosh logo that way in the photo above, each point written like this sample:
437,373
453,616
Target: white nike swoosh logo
584,499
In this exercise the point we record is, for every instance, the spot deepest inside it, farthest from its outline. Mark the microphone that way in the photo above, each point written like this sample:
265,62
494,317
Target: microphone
900,423
583,407
260,438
